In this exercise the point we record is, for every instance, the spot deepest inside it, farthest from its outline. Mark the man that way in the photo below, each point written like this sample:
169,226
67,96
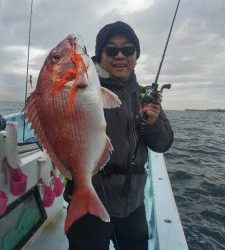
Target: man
131,128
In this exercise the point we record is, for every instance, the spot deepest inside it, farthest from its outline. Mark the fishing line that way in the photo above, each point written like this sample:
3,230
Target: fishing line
107,202
156,80
28,60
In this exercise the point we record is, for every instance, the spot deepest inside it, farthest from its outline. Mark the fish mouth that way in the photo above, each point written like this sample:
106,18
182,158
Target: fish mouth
73,78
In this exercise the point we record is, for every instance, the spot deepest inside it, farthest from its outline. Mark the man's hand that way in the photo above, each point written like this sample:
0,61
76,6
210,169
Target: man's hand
150,113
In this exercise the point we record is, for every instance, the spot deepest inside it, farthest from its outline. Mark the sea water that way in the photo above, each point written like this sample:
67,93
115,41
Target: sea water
196,165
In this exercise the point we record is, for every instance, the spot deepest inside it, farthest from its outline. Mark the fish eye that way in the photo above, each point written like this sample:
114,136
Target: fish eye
55,58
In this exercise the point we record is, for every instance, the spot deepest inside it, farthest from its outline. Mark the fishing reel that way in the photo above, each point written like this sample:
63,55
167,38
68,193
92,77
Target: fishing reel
151,94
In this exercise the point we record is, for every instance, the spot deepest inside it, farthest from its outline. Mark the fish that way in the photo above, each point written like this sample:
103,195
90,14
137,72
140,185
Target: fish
66,112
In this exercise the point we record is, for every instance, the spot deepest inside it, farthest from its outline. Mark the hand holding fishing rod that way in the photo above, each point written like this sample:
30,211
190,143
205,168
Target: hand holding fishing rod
150,98
150,94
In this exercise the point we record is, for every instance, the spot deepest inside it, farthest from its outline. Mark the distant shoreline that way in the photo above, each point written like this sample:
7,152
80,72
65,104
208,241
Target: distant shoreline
212,110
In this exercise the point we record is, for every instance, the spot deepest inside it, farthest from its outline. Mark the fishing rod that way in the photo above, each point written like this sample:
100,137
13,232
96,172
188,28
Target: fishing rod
28,60
150,93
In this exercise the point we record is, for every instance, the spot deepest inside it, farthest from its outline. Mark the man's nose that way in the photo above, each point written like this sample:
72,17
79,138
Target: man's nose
120,55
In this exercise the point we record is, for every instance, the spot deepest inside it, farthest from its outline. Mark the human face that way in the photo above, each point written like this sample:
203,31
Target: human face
119,66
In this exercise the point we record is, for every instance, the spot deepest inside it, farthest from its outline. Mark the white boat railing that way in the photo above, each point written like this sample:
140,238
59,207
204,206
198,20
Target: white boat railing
166,232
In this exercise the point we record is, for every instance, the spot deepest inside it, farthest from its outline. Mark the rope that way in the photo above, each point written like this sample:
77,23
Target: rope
28,59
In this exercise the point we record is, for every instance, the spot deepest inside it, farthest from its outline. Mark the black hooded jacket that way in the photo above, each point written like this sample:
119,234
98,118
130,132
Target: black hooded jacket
127,131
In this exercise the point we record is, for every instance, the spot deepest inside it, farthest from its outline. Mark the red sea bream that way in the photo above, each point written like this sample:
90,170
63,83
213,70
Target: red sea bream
66,113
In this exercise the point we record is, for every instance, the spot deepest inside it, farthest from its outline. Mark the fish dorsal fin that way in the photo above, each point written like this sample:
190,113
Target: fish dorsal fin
105,156
110,100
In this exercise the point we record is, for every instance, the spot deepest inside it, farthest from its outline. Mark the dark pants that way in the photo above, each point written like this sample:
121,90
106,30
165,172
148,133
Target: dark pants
129,233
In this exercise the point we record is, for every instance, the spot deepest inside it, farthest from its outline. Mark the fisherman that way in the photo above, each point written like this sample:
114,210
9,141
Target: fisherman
132,128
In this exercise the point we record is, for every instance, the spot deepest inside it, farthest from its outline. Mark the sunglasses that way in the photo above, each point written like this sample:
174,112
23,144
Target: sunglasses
126,51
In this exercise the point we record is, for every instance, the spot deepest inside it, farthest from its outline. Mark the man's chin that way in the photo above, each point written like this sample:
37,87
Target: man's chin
122,77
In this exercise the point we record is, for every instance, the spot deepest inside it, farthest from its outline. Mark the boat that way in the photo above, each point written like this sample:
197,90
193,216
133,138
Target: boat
32,208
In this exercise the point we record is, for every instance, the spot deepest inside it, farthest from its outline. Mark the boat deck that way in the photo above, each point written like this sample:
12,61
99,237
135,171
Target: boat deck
52,237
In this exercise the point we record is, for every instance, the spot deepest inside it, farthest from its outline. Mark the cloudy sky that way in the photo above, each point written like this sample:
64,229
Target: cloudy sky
194,62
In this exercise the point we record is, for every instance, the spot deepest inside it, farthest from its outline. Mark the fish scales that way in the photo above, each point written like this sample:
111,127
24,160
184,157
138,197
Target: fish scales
66,113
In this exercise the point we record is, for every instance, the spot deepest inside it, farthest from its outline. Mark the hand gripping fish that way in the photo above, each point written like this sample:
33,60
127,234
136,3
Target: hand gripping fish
66,113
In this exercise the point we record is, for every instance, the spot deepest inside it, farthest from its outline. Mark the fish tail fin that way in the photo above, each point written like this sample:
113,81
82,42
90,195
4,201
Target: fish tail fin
83,202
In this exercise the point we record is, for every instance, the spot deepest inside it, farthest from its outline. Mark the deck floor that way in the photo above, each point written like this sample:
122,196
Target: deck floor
52,237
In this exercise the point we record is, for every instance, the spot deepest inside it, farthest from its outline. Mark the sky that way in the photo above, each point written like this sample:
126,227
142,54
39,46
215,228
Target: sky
194,63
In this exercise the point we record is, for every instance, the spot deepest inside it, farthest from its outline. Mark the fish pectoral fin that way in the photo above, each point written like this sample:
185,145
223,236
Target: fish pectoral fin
110,100
105,156
85,201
